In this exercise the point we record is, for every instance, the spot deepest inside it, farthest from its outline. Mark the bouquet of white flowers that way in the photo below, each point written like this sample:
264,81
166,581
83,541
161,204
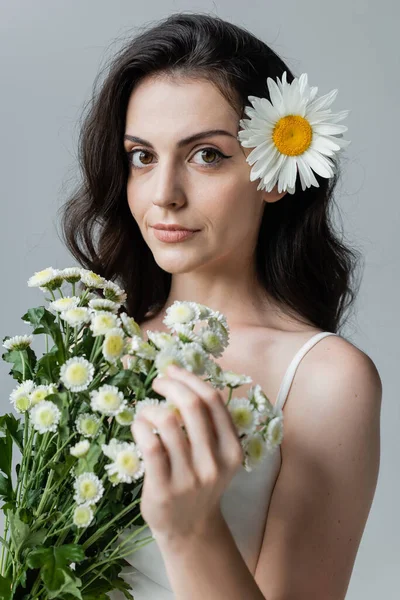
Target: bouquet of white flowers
79,480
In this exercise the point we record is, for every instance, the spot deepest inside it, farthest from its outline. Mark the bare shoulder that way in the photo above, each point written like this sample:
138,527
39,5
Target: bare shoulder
336,366
327,481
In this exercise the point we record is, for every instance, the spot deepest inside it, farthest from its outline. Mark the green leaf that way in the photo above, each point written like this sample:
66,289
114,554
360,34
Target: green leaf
45,322
71,587
18,529
89,461
14,357
54,565
47,368
35,538
6,454
5,588
15,427
6,489
125,378
62,468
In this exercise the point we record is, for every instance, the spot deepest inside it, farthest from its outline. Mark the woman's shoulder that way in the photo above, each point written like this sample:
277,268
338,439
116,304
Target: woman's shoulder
332,373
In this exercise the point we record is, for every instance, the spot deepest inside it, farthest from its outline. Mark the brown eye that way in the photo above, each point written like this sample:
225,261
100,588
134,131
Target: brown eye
208,151
133,153
214,153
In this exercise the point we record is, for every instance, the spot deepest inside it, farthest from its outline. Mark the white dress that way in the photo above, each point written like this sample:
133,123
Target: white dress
244,505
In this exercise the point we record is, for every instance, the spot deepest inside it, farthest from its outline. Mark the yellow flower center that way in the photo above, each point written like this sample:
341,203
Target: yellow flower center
111,400
46,417
88,489
128,462
38,395
255,448
89,427
292,135
115,345
77,374
242,417
22,403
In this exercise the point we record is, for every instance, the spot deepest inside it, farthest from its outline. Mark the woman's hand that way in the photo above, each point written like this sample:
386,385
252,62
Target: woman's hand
185,475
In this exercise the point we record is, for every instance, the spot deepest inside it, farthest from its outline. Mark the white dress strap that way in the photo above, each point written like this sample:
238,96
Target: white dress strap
291,370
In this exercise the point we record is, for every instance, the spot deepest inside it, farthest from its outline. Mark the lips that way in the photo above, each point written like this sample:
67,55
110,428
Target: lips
173,236
172,227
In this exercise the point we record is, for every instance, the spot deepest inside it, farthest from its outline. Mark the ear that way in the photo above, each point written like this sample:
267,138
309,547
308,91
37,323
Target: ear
273,196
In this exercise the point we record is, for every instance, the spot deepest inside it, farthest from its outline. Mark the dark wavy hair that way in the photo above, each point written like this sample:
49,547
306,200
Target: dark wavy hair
300,260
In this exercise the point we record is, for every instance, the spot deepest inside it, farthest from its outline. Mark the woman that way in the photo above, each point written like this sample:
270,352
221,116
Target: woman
263,251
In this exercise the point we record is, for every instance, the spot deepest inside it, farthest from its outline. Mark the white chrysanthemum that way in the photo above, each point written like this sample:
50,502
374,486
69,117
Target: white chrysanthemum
88,425
83,515
18,342
218,326
41,392
45,416
114,344
261,401
127,460
235,380
166,357
22,402
113,292
242,415
103,304
212,342
181,313
194,358
186,333
215,374
294,132
126,416
216,315
80,448
161,339
23,389
145,402
255,450
204,311
66,303
92,280
71,274
77,374
137,346
102,321
88,489
42,278
274,434
108,400
130,326
76,316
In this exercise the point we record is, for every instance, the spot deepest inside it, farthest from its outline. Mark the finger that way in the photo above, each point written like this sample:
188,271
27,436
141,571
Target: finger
155,457
228,439
197,420
173,438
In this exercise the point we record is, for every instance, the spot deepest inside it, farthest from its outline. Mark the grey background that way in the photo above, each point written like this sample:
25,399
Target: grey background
50,53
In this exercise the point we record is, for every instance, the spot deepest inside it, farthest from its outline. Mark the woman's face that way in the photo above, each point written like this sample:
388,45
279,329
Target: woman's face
191,184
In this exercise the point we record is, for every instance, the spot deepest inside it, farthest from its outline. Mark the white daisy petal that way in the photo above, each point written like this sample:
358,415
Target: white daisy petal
294,123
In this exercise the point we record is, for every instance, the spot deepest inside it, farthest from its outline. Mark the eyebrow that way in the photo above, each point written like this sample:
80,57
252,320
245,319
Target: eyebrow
184,141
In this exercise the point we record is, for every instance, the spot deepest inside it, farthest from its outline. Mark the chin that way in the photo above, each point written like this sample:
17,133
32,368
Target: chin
177,264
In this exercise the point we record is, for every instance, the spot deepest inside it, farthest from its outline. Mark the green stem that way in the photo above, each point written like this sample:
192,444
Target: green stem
106,562
230,396
21,473
100,531
43,499
57,453
5,544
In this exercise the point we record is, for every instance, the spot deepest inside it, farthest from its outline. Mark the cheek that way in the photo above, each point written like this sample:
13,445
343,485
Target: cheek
234,199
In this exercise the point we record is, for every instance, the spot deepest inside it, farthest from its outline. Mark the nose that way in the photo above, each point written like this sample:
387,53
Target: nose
168,187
